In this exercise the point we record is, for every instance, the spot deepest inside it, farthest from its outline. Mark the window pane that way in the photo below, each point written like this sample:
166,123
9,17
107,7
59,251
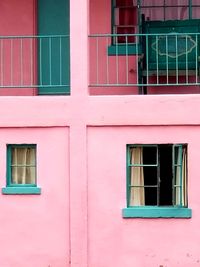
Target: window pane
124,2
150,155
23,165
150,196
150,175
137,196
23,156
137,176
23,175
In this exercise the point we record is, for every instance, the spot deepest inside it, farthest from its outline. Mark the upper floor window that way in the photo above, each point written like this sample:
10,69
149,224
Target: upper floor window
124,19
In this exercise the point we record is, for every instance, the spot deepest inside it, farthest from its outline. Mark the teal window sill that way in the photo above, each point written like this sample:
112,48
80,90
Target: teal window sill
122,50
156,212
21,190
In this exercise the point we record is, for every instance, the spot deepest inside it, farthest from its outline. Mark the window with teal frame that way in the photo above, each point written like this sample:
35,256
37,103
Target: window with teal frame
21,170
157,181
124,24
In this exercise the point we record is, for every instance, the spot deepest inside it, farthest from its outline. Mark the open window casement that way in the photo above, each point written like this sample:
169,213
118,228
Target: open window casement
157,175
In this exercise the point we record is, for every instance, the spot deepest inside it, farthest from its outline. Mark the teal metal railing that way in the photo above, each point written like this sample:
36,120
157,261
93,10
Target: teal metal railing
34,62
151,60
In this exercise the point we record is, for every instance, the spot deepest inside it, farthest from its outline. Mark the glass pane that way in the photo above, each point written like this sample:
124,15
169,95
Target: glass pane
124,2
136,196
125,16
196,12
150,196
23,156
149,155
152,3
23,175
150,176
136,176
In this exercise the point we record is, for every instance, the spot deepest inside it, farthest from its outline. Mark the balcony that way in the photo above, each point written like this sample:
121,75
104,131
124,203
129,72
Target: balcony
150,63
32,65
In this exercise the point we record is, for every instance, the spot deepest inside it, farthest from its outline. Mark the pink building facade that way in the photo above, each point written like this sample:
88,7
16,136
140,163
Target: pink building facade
77,212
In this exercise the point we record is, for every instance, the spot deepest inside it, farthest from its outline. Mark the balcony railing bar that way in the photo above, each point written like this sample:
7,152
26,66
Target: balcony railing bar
177,62
31,61
107,62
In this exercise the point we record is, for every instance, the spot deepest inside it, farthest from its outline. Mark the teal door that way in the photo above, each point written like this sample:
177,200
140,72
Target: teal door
53,47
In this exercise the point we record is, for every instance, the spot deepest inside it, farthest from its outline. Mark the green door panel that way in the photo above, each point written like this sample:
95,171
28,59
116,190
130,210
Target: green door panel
53,53
170,49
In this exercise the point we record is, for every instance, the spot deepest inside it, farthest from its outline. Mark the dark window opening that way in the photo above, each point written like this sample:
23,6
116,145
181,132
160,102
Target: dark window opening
162,194
157,175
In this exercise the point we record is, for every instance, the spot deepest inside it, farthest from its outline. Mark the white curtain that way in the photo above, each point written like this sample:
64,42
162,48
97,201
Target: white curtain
23,165
181,178
137,197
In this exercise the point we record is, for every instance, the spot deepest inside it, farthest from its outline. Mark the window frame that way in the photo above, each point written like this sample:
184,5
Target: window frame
122,48
12,188
171,211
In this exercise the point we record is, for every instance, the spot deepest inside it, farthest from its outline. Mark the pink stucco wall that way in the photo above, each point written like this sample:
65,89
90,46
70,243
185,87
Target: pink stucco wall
81,140
34,229
114,241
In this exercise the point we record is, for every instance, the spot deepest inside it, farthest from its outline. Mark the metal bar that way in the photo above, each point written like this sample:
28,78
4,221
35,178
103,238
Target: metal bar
126,43
157,62
60,58
190,9
147,58
196,58
117,62
21,61
186,54
177,79
107,62
143,186
11,61
167,61
97,64
143,165
50,61
31,60
164,10
137,59
40,60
